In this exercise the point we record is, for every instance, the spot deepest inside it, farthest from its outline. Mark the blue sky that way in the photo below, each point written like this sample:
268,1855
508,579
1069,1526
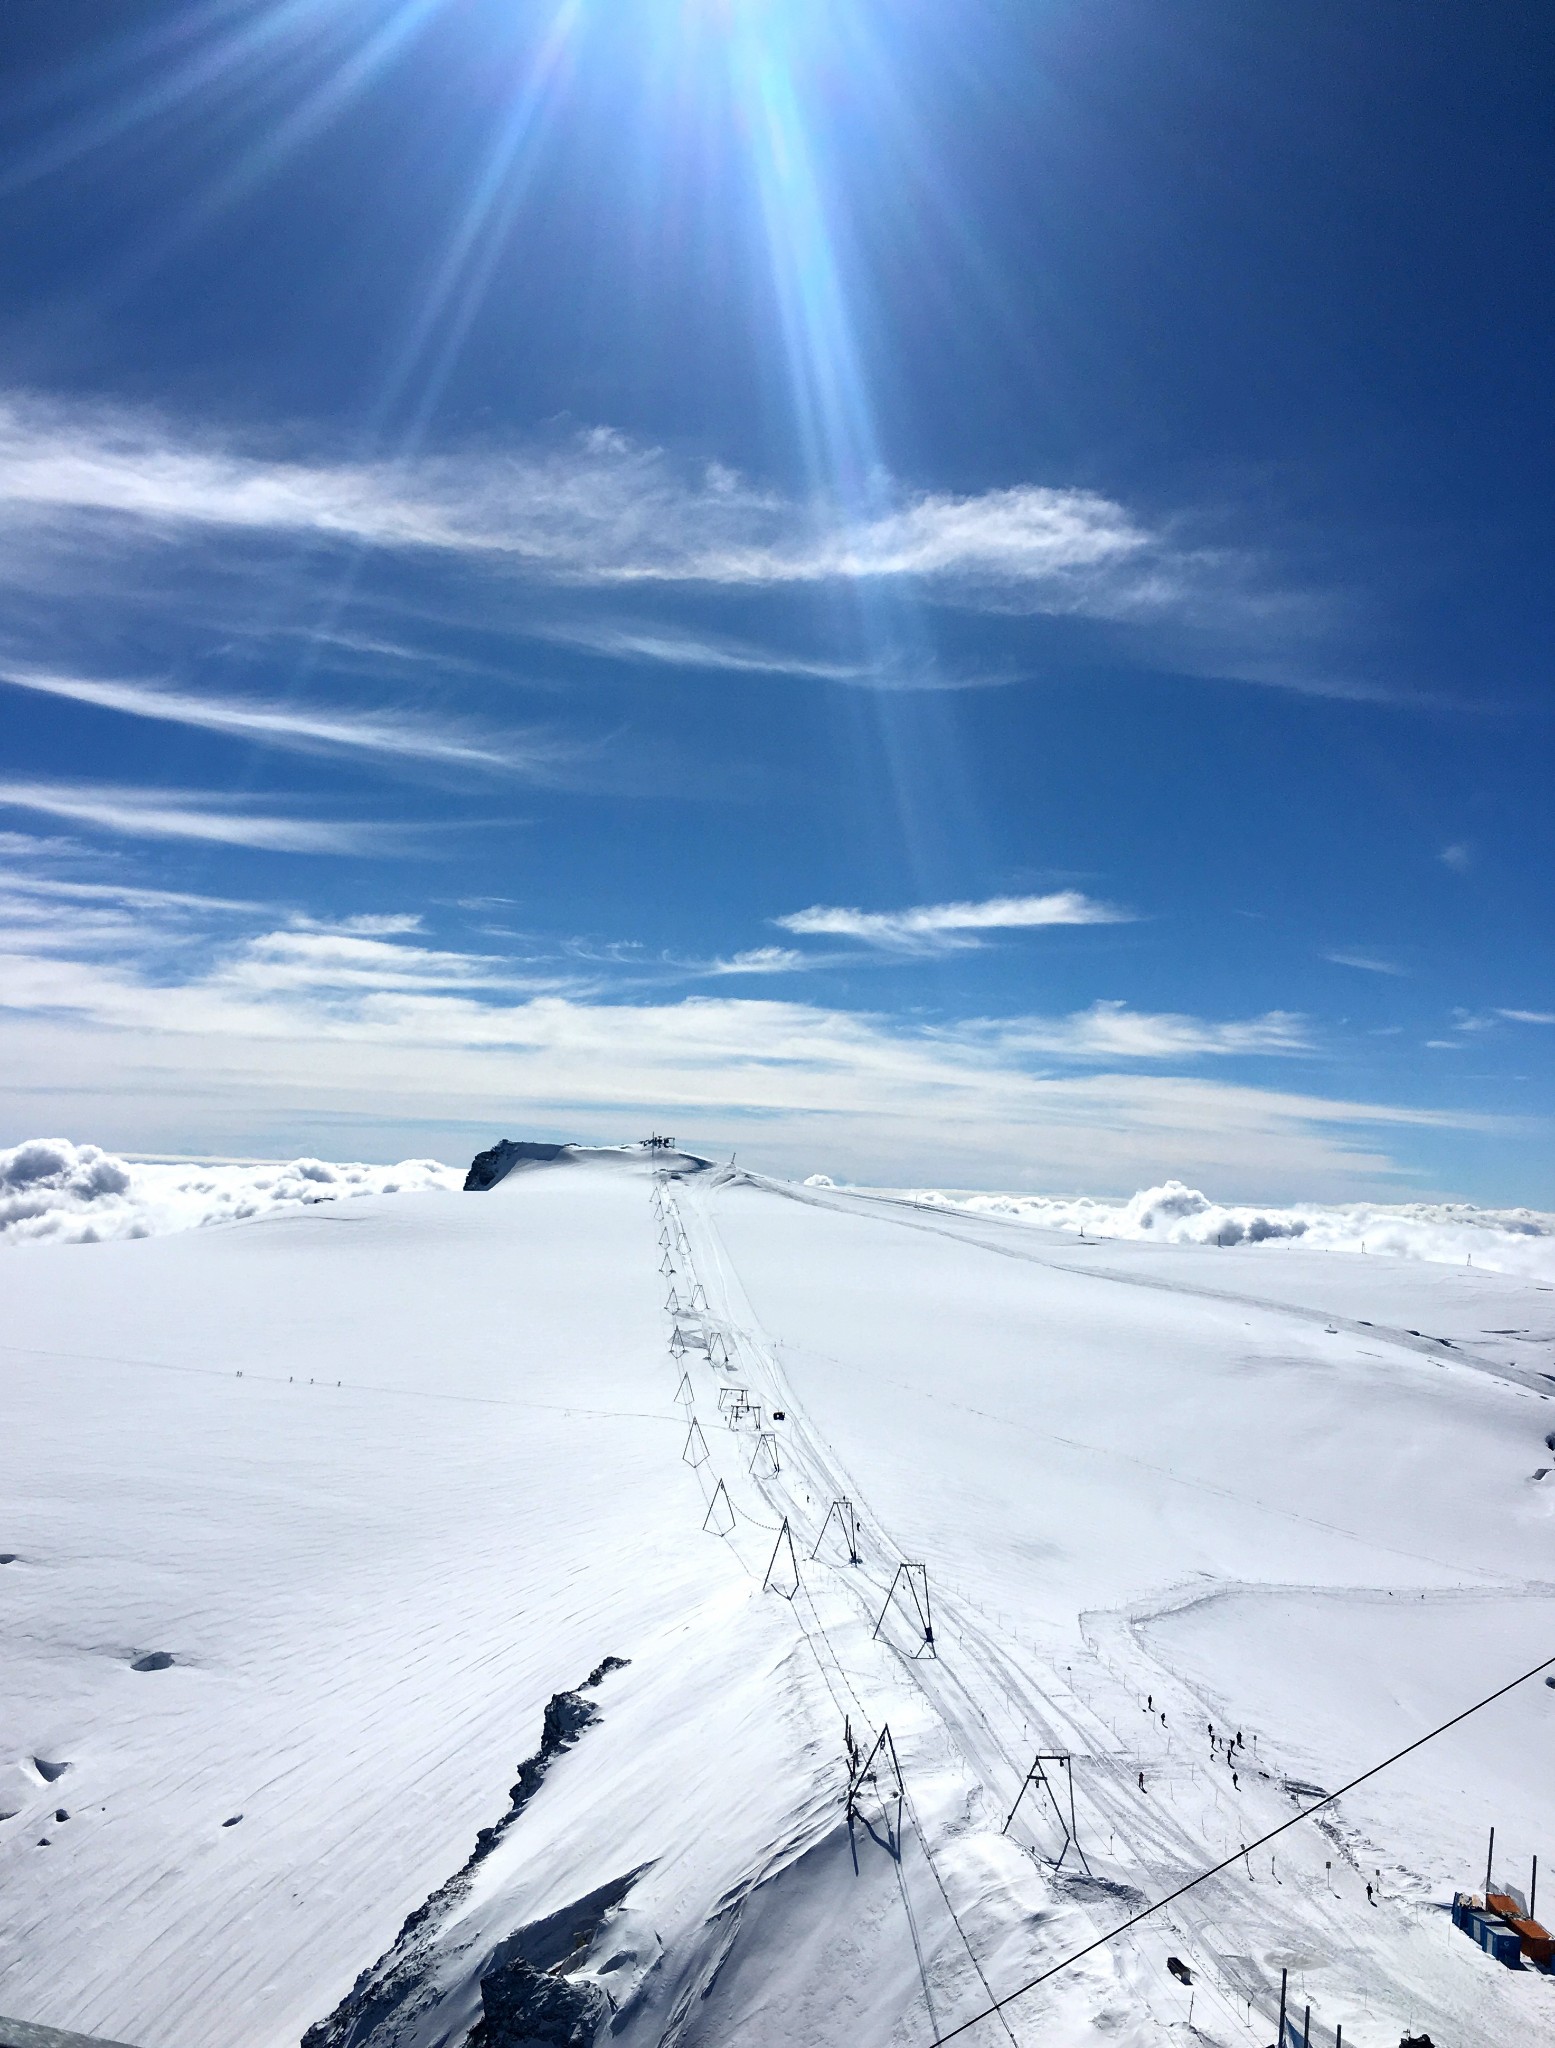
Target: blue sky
933,594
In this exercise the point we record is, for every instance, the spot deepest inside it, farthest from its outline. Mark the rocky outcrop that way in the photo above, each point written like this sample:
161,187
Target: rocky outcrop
524,2008
527,1998
425,1971
487,1168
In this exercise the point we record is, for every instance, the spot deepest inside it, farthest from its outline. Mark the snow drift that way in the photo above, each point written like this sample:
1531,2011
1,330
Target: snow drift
1515,1241
52,1191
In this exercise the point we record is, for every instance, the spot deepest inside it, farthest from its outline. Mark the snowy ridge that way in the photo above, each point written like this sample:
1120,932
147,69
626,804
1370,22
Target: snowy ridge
1517,1241
56,1192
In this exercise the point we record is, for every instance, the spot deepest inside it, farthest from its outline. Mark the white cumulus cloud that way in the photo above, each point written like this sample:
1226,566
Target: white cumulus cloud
1520,1241
56,1192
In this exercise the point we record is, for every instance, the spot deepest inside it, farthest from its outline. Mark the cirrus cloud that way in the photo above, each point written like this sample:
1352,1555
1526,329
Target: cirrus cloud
940,927
400,735
142,813
234,1045
596,510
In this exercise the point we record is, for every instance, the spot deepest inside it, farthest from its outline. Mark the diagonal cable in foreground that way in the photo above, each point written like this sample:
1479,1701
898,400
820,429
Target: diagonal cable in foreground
1246,1849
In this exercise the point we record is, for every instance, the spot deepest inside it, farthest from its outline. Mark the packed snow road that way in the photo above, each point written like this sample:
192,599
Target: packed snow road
380,1482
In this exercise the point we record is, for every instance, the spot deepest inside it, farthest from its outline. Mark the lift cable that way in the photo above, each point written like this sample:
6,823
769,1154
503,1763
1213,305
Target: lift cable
1246,1849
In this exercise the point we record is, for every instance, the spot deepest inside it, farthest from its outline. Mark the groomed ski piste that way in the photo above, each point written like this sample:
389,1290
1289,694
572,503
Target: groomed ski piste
309,1518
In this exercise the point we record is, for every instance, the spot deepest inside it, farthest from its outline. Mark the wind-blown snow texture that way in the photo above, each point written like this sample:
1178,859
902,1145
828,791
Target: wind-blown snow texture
303,1522
54,1192
1453,1233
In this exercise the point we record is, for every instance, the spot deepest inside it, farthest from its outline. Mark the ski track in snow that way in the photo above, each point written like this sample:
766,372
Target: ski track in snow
371,1588
1150,1851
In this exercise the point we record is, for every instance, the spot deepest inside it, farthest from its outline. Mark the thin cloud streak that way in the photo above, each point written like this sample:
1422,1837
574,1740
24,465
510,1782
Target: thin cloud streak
302,729
185,814
1111,1031
1368,963
933,927
690,650
341,961
670,648
599,510
762,960
129,896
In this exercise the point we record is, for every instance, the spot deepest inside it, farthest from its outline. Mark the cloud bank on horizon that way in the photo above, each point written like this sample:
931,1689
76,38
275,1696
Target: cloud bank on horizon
1513,1241
53,1191
367,1017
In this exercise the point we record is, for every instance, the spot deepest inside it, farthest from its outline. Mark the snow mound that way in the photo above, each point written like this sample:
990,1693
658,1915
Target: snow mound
52,1191
1516,1241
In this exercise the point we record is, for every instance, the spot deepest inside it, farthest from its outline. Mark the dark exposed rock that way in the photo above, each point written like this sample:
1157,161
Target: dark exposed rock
154,1660
487,1168
399,1983
524,2008
526,1997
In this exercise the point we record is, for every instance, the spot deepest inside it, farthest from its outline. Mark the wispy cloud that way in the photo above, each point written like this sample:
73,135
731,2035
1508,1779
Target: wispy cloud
189,814
1472,1021
1459,856
351,1024
1369,963
1111,1031
28,846
128,894
46,913
761,960
401,735
700,651
941,927
347,959
918,670
598,510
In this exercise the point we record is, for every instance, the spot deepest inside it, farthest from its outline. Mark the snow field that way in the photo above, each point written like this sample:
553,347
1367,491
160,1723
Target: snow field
1128,1481
1078,1452
370,1589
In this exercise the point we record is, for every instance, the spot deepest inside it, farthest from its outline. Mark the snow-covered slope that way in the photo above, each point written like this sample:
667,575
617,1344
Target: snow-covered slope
383,1477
